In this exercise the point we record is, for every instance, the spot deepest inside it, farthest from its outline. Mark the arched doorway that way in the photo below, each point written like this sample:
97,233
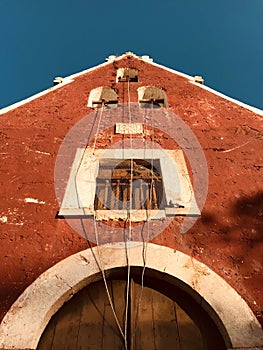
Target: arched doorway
172,273
161,316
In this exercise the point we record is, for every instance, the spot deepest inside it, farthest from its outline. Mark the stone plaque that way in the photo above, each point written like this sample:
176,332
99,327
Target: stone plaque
128,128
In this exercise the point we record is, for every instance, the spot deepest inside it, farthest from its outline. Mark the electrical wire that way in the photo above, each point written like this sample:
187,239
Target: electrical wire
98,127
129,220
105,280
127,249
99,263
148,218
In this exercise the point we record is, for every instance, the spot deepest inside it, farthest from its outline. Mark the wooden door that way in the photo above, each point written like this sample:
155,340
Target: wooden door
155,322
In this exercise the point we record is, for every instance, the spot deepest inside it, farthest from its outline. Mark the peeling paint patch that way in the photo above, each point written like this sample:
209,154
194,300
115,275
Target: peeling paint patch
3,219
12,212
84,259
40,152
33,200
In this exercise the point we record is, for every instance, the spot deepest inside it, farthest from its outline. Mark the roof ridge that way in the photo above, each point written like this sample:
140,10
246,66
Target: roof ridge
112,58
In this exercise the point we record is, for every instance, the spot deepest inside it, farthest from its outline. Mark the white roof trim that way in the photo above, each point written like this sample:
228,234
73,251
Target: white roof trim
220,94
33,97
66,81
191,80
112,58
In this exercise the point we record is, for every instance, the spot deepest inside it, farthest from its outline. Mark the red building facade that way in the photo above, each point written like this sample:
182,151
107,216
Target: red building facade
139,121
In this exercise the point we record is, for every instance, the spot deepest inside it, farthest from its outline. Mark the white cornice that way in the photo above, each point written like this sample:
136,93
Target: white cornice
144,58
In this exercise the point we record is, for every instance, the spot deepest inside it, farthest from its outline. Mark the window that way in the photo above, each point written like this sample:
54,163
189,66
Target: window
103,95
152,96
127,74
118,179
100,184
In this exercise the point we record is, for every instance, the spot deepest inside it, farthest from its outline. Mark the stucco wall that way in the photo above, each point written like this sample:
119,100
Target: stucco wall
227,236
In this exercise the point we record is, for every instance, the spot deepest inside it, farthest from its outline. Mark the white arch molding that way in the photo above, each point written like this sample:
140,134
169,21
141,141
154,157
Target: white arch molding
26,320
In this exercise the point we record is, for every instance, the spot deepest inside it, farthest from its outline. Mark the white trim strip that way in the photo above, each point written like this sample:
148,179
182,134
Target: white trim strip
71,78
239,103
207,88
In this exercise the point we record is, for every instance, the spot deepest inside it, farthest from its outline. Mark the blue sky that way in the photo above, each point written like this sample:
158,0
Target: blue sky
220,40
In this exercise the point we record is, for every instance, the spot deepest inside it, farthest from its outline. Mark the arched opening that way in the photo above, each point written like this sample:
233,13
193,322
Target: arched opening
161,315
103,96
127,74
152,97
192,285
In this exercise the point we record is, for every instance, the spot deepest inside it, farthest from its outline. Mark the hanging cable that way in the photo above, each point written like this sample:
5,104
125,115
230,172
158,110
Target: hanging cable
148,218
100,266
99,263
97,240
130,230
98,127
86,146
105,280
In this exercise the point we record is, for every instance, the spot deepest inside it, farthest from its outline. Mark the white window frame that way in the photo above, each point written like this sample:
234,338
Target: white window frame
81,188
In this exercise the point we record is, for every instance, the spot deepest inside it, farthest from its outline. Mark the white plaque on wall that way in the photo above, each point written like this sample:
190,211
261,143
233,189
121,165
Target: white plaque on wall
128,128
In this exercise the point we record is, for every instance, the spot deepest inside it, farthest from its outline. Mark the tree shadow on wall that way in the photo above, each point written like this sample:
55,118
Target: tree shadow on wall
245,216
240,229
